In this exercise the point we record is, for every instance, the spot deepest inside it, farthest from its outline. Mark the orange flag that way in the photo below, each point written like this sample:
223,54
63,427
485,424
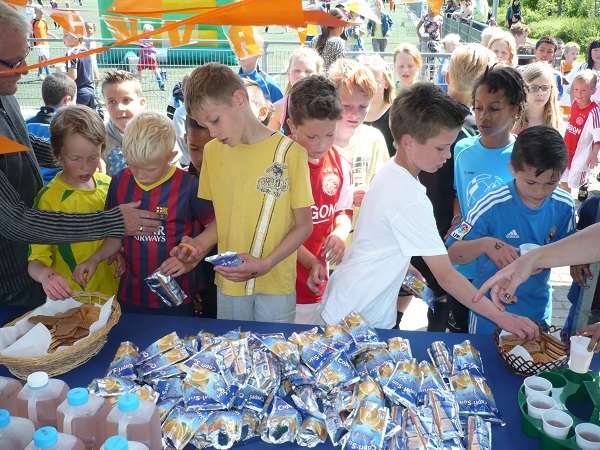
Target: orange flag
435,5
9,146
70,20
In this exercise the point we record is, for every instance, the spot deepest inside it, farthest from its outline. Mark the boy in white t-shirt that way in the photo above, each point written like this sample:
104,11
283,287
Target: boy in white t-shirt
392,228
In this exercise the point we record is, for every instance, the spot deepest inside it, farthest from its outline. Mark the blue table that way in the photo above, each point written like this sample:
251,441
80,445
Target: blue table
144,330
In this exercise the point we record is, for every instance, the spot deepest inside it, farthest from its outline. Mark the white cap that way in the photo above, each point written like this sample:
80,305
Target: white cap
37,380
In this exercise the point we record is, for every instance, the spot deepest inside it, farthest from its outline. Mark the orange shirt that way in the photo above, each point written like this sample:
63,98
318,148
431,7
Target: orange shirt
40,30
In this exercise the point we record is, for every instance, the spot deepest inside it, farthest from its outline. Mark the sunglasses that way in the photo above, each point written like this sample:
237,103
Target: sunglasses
18,63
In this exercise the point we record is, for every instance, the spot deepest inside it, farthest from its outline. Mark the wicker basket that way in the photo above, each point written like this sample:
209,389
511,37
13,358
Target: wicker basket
65,360
518,365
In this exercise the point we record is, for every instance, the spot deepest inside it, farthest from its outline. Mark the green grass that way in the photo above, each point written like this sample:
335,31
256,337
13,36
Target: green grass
281,42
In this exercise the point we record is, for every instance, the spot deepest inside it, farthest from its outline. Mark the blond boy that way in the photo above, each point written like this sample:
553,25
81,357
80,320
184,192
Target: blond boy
583,134
259,185
171,193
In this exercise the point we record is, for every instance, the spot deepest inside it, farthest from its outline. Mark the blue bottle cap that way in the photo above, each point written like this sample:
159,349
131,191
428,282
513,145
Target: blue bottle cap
45,437
4,418
116,443
78,396
128,402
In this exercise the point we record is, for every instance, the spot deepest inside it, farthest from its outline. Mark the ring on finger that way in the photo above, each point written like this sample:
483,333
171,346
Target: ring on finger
141,228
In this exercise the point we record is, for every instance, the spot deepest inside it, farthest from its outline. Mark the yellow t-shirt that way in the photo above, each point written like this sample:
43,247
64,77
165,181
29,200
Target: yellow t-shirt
254,189
60,196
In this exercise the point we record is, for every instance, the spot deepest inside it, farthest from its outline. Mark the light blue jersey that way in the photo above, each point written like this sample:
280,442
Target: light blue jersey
501,214
477,171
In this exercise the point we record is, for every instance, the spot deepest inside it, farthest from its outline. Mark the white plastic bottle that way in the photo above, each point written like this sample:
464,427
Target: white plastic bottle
120,443
40,397
9,389
15,432
137,420
84,415
47,438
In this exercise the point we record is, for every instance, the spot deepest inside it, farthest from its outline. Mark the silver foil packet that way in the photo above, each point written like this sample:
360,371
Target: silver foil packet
166,288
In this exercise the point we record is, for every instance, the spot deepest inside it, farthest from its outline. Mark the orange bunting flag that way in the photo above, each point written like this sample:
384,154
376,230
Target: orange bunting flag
302,33
70,20
9,146
123,27
243,41
436,6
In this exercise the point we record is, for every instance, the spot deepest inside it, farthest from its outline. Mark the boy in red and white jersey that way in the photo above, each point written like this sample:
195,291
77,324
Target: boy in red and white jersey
583,135
314,111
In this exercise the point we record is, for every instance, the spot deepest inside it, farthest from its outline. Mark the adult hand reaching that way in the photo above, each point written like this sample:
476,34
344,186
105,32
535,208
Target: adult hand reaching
505,282
139,222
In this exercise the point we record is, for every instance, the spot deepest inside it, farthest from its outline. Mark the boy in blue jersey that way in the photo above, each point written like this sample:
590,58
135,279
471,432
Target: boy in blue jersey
169,191
528,209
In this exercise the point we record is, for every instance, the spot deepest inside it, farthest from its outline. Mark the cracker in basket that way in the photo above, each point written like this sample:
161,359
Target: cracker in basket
48,321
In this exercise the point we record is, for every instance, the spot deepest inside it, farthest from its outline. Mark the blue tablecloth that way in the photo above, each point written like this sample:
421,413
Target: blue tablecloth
144,330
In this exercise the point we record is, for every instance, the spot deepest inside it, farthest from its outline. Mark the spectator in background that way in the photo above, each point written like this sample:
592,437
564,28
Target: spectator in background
249,68
30,10
179,121
450,42
380,32
39,29
54,5
464,12
148,58
487,34
80,70
450,7
504,47
58,90
520,31
432,25
329,45
90,29
514,14
543,107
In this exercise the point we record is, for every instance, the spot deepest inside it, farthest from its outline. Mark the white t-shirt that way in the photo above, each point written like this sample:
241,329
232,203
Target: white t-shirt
396,222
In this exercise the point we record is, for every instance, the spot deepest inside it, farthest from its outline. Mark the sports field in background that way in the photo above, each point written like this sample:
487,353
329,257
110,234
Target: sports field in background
280,42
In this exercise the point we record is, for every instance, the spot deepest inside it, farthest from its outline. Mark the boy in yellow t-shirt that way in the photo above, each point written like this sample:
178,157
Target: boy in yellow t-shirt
77,137
259,184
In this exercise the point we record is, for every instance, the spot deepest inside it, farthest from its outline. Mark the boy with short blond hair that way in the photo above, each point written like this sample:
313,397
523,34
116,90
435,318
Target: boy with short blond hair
582,135
170,192
122,93
566,67
392,228
259,185
315,110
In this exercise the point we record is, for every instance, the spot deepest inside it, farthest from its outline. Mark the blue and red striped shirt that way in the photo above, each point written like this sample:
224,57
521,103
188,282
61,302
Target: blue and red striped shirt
182,213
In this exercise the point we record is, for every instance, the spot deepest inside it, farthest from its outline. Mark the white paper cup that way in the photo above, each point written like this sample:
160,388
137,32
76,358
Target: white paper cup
587,436
538,404
557,423
580,359
524,248
537,385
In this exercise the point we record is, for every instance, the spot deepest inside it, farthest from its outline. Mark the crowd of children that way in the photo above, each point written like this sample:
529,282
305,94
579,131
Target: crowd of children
347,171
